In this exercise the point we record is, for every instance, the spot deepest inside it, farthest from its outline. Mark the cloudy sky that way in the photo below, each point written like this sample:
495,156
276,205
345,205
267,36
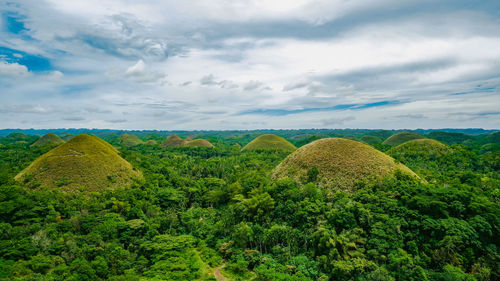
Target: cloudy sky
249,64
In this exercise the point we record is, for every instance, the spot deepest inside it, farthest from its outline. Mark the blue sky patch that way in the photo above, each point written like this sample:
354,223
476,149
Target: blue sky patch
32,62
281,112
13,23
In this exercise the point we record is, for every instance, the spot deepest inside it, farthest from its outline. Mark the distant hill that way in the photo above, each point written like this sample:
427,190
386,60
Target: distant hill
493,137
400,138
449,138
371,140
13,137
173,141
130,140
198,143
48,140
269,142
151,142
419,149
67,137
85,161
338,163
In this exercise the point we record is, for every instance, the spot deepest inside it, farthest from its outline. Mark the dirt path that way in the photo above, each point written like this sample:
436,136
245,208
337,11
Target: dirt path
219,275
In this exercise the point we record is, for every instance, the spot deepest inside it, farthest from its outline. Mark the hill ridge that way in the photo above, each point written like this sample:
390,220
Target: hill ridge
339,162
84,161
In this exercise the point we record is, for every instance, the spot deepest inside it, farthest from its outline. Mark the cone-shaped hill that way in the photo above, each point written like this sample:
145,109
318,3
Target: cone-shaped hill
12,137
151,142
371,140
493,137
67,137
400,138
338,162
420,148
48,140
130,140
173,141
85,161
198,143
269,142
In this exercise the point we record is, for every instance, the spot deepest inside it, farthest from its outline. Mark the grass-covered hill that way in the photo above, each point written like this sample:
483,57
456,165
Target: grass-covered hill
49,139
67,137
130,140
400,138
269,142
420,150
338,162
173,141
197,143
151,142
13,137
84,161
371,140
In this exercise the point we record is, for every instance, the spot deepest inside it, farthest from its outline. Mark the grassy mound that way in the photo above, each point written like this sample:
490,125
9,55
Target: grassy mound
85,161
371,140
13,137
151,142
130,140
67,137
173,141
423,149
198,143
337,162
400,138
48,140
269,142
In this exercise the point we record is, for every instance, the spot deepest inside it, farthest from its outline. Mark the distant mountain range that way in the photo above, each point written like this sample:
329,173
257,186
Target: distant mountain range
107,132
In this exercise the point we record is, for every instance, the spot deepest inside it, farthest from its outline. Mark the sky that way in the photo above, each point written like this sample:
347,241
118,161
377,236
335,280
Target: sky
249,64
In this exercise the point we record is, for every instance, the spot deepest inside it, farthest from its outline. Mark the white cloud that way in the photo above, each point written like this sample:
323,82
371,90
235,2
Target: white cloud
139,73
13,69
54,76
251,55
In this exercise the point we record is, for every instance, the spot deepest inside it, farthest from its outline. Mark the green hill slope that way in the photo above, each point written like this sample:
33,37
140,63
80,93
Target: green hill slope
173,141
198,143
67,137
48,140
130,140
13,137
449,138
337,162
420,149
400,138
371,140
269,142
493,137
85,161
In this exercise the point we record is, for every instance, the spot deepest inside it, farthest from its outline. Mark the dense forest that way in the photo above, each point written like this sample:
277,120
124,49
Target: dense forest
217,213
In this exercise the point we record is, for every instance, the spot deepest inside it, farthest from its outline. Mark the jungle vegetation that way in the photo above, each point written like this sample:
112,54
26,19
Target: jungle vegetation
196,209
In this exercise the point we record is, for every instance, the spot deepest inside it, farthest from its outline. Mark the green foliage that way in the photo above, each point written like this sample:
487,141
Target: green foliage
199,209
